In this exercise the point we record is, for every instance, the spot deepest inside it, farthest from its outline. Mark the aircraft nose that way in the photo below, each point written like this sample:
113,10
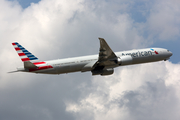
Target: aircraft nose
170,53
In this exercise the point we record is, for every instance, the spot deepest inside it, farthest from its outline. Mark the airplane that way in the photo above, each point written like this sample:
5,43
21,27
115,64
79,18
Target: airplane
100,64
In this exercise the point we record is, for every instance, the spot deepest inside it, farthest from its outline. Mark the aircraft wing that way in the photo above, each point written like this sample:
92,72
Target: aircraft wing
105,52
107,60
106,56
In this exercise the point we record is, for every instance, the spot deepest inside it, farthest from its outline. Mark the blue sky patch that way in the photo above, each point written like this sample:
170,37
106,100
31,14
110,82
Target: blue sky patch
26,3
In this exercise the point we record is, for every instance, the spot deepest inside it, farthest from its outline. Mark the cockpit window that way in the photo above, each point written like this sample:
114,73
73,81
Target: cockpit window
168,50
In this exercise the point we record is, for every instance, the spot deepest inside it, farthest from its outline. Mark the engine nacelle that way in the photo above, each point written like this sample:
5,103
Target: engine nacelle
126,60
103,72
118,61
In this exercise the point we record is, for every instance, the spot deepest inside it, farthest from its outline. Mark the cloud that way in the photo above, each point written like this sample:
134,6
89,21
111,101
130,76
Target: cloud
144,94
162,20
54,29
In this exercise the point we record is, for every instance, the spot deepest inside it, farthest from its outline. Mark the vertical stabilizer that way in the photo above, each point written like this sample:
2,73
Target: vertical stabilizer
24,54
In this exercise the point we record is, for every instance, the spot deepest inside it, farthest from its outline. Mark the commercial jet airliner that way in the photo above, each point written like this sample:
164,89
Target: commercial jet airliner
101,64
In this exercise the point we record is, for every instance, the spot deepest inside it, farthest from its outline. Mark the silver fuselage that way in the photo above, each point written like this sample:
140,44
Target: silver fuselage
76,64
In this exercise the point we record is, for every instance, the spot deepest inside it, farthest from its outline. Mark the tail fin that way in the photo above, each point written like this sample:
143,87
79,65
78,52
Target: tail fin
24,54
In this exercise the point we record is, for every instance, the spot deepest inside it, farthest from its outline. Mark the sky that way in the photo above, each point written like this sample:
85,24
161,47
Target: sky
52,29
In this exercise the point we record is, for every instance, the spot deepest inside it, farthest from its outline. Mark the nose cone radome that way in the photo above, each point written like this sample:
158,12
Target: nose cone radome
171,54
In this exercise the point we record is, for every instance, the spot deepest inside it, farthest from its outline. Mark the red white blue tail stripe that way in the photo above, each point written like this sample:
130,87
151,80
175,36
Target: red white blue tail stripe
24,54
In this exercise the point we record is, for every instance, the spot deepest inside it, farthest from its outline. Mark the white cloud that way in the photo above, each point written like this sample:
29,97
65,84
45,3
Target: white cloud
163,21
134,92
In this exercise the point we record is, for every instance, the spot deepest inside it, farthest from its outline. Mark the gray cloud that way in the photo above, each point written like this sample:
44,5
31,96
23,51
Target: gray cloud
127,97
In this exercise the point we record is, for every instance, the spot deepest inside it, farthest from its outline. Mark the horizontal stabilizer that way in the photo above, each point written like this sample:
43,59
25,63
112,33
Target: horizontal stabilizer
13,71
28,64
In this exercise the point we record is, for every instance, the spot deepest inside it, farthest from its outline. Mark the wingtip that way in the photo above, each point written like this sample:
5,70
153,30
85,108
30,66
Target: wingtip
100,38
13,71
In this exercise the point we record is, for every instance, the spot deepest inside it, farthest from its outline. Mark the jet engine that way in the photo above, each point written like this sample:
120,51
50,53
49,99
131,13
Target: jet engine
103,72
118,61
125,60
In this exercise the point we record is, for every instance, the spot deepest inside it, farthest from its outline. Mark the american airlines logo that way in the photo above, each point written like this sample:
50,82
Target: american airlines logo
139,54
154,51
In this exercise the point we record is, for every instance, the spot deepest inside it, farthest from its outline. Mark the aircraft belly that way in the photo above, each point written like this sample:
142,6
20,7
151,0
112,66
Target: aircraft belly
76,67
143,59
69,68
160,57
46,71
62,69
147,59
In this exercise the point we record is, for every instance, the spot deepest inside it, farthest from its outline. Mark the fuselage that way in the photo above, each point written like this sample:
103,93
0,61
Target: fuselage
76,64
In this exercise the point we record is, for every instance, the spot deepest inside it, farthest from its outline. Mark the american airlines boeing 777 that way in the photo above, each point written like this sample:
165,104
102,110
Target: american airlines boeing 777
101,64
